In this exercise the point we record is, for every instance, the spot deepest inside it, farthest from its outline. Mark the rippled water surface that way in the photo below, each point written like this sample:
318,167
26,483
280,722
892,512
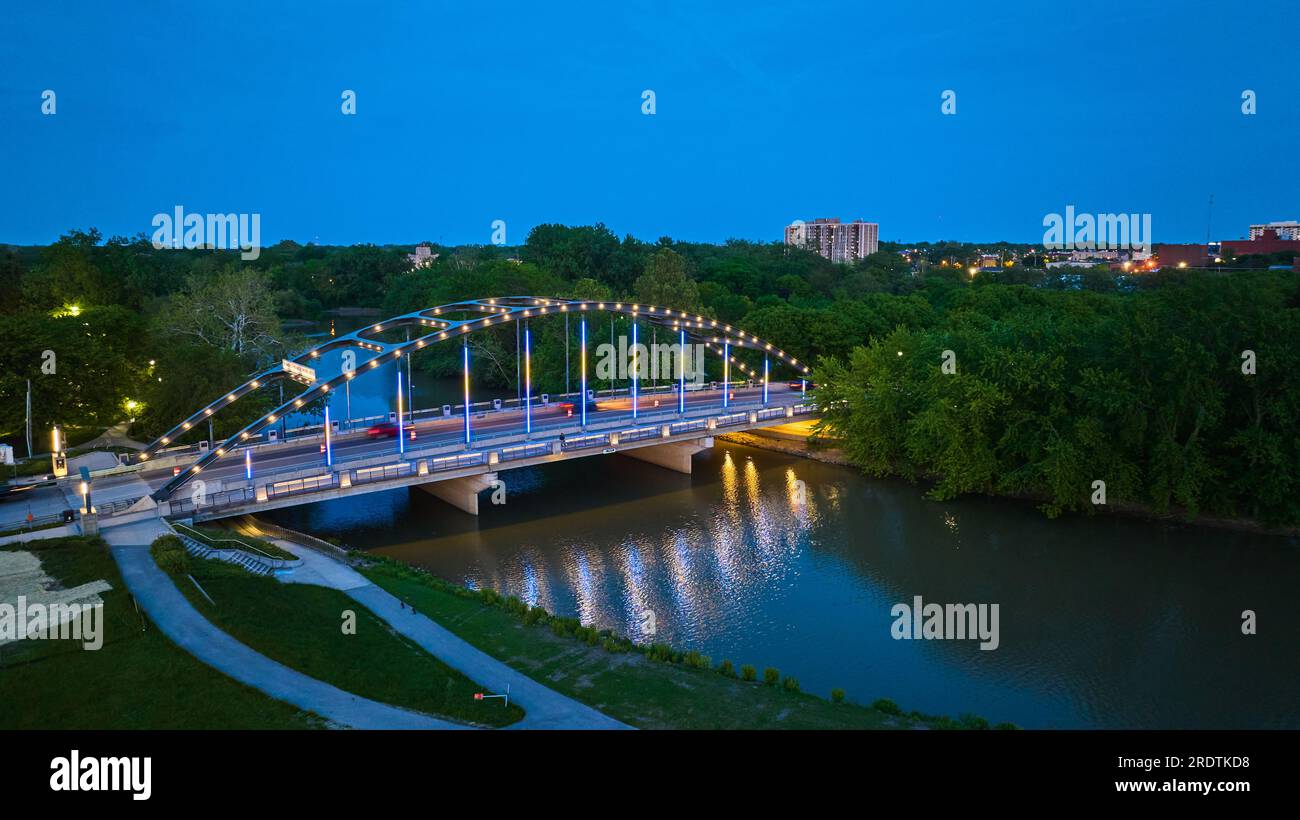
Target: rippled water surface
779,561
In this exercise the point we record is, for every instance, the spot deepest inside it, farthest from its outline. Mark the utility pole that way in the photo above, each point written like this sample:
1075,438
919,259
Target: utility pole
1209,216
519,396
410,386
29,418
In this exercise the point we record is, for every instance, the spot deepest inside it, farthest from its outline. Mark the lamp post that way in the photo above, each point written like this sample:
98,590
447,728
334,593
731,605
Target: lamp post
528,381
465,356
583,397
634,374
726,374
401,432
681,372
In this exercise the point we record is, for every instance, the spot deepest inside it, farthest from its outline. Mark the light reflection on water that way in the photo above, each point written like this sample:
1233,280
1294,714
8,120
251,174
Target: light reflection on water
772,560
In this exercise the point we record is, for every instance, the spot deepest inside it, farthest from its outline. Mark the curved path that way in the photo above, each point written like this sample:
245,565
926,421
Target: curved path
184,625
176,618
544,708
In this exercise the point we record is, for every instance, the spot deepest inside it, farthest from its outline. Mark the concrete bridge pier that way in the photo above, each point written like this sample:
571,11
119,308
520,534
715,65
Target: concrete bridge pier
674,455
461,493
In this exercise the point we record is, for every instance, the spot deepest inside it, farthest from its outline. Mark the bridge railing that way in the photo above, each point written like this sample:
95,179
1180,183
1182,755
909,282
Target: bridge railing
449,454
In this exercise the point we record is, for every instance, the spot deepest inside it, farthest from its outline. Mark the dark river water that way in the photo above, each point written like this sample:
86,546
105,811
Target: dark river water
774,560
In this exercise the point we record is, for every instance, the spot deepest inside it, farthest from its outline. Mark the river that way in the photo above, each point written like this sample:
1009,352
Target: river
774,560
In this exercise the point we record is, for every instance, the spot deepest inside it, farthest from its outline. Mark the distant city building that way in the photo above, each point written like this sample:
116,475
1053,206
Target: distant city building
1181,256
423,256
1268,241
1283,230
835,240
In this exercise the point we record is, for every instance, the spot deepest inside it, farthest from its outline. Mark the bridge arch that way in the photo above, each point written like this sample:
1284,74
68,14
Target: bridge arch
496,311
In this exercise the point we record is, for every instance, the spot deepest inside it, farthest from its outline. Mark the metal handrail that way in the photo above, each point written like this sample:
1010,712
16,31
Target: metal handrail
212,542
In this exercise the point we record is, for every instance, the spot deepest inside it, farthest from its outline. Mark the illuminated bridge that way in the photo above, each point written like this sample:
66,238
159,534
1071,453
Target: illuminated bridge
455,451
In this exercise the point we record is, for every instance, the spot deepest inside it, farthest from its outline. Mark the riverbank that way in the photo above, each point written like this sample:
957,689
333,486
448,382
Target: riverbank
653,687
822,450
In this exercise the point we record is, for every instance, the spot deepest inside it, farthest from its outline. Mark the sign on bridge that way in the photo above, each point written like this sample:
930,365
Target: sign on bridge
298,372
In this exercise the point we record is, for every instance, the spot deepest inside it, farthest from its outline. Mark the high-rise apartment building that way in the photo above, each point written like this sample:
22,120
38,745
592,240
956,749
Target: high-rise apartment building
1285,230
835,240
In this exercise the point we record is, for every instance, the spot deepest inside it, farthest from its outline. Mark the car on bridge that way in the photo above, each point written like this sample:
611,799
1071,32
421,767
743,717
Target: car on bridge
570,407
386,429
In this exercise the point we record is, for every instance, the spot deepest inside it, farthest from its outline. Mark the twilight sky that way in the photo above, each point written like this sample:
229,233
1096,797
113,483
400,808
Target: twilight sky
765,112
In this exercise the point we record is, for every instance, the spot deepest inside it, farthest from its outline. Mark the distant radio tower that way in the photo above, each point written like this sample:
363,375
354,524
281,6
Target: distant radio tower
1209,217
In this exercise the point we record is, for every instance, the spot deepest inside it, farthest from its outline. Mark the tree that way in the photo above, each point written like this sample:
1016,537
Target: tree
666,283
234,311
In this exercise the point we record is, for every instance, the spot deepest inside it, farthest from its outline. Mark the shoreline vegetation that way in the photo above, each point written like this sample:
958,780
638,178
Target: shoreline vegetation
651,686
821,449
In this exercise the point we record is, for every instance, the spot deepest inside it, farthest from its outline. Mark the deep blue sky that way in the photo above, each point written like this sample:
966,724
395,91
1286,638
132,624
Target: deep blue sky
469,112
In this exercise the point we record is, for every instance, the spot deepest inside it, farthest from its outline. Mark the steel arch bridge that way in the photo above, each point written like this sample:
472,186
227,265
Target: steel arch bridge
439,328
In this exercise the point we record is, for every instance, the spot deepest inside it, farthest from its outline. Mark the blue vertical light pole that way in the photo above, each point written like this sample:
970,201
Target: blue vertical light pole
329,443
634,373
681,372
401,431
248,464
765,381
726,373
465,352
803,389
583,397
528,381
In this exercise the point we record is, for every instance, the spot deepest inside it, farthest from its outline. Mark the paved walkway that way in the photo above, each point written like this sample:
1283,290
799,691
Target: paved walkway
544,707
182,623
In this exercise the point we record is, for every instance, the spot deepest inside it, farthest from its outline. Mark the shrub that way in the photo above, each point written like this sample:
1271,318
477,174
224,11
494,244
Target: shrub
535,615
559,627
1010,727
170,554
659,652
837,695
771,676
790,684
968,721
748,673
489,596
888,707
515,606
695,660
726,669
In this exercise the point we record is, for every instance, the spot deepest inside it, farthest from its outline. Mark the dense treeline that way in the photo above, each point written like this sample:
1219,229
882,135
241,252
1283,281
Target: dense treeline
1054,390
1062,378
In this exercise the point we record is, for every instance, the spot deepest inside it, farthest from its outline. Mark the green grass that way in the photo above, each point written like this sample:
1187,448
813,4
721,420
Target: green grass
301,626
137,680
627,684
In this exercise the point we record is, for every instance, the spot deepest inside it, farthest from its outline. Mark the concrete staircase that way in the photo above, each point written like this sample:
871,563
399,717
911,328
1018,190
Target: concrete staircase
253,563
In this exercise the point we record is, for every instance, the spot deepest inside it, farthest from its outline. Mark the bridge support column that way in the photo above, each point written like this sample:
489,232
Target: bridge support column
674,455
461,493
